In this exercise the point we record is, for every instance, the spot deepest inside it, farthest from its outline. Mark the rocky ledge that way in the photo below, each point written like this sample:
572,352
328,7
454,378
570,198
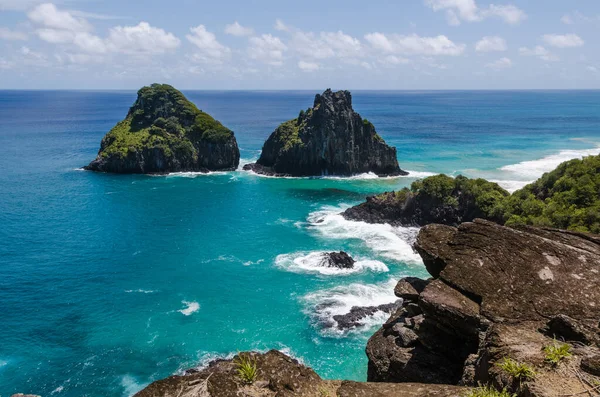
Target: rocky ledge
328,139
164,132
500,301
279,375
436,199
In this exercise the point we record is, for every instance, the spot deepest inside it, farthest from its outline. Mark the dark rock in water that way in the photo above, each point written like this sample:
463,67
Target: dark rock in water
164,132
340,260
328,139
497,293
436,199
353,318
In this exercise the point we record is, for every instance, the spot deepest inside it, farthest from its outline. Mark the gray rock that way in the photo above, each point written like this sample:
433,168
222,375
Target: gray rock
328,139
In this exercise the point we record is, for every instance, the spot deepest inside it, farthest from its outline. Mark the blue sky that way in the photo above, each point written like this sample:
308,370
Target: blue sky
268,44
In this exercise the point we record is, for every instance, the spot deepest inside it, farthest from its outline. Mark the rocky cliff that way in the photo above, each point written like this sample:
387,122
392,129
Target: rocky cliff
328,139
436,199
279,375
164,132
514,308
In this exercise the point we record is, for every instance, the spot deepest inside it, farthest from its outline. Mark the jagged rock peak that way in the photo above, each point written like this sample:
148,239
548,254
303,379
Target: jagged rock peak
329,138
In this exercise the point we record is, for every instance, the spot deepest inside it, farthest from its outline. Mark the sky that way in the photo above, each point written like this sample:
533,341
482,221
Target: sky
282,44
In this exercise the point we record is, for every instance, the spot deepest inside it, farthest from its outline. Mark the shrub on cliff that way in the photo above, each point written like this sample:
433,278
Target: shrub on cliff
566,198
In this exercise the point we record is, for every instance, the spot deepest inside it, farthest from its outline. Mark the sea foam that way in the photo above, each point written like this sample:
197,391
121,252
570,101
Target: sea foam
533,169
312,262
386,240
191,308
322,306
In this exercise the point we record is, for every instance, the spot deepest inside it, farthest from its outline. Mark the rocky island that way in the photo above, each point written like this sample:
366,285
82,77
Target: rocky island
565,198
164,132
328,139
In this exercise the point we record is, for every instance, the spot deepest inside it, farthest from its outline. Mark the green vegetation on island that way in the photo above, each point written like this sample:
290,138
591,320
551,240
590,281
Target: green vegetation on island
165,132
566,198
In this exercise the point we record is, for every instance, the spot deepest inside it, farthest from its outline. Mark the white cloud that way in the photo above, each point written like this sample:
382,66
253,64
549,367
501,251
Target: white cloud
414,44
235,29
563,40
325,45
210,48
468,11
280,26
393,60
308,66
502,63
491,43
6,65
540,52
8,34
577,17
267,48
51,17
592,69
142,39
64,27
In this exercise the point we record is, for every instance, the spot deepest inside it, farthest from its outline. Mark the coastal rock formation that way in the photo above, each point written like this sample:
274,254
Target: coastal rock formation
497,294
279,375
164,132
341,260
436,199
328,139
357,314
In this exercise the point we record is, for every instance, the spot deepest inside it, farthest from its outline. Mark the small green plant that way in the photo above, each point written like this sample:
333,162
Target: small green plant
556,352
519,371
246,368
487,391
323,392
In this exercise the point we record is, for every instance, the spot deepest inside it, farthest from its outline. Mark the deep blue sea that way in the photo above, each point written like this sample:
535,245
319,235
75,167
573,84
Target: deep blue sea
108,282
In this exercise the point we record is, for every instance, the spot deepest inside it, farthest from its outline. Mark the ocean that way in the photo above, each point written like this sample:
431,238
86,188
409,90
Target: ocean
109,282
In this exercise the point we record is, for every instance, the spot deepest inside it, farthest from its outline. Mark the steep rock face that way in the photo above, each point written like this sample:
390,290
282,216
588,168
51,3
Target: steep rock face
436,199
328,139
497,293
280,376
164,132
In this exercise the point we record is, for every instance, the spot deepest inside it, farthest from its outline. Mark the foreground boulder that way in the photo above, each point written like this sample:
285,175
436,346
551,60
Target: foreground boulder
164,132
279,375
436,199
328,139
497,294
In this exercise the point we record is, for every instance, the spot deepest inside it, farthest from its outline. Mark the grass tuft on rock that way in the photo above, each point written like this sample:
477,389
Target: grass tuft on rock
246,368
487,391
557,352
516,370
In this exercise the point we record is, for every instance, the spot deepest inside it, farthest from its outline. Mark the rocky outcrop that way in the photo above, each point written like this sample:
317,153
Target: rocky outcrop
279,375
357,314
341,260
436,199
328,139
164,132
497,293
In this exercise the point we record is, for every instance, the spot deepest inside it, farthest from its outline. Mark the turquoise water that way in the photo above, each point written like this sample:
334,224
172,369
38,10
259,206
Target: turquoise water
108,282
